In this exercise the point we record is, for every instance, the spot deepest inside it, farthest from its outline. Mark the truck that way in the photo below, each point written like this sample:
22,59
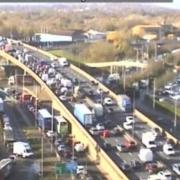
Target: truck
44,119
20,79
1,106
148,140
22,149
62,126
83,114
124,103
97,108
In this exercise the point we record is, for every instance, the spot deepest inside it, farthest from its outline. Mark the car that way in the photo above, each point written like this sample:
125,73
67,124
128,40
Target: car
61,148
58,141
115,132
128,125
63,98
107,146
176,168
168,149
135,164
165,175
125,166
94,131
129,144
121,147
100,127
108,101
151,168
130,119
105,133
51,133
81,170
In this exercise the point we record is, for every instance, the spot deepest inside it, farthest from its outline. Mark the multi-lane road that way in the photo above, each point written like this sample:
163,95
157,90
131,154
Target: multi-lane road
116,118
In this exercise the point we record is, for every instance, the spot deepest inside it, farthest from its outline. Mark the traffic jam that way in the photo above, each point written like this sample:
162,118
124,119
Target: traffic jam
140,151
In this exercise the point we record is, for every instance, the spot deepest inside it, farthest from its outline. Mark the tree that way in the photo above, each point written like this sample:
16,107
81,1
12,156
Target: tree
100,51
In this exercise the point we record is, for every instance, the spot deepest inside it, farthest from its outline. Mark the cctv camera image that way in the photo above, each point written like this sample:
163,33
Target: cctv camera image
90,91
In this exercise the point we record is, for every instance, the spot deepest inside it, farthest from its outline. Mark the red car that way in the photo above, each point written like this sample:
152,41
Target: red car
129,144
105,133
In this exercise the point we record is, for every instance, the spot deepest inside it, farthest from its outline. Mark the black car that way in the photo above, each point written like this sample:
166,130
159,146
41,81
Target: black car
136,164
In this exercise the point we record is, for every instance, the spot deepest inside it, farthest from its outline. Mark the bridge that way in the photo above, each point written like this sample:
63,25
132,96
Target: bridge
105,164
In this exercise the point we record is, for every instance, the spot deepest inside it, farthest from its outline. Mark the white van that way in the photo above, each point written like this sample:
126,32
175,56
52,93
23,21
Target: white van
22,149
148,139
63,62
145,155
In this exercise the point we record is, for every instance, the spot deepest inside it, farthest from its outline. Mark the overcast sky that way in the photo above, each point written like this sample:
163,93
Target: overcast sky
175,4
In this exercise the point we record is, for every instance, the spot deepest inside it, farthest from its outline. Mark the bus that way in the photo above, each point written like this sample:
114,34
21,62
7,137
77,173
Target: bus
44,119
62,126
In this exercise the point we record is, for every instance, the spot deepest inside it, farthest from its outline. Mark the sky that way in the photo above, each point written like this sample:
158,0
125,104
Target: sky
175,4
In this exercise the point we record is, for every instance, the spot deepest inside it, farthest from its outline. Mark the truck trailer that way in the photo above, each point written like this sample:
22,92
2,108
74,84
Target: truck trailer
1,106
97,108
124,103
83,114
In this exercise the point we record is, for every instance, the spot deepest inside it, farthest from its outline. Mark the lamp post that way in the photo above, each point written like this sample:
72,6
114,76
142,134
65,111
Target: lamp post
133,112
175,115
42,150
154,95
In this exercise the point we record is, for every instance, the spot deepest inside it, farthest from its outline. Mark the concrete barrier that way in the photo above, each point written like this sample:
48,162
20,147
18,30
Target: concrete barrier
145,119
139,115
106,165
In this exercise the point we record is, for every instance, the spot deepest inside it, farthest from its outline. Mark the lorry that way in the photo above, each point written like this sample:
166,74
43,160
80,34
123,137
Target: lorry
124,103
22,149
145,155
149,140
1,105
97,108
44,119
20,79
83,114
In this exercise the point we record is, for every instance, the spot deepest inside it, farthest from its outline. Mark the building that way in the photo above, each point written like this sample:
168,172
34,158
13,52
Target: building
93,35
64,37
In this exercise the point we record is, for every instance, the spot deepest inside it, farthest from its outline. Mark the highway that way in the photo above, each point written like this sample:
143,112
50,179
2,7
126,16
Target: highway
118,118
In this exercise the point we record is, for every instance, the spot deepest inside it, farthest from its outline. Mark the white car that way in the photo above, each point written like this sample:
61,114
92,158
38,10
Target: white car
51,133
94,131
51,81
61,148
176,168
128,126
168,149
130,119
165,175
81,170
63,98
100,127
108,101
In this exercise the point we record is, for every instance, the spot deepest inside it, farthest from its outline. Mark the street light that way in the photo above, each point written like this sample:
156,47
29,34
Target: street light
133,111
154,94
175,114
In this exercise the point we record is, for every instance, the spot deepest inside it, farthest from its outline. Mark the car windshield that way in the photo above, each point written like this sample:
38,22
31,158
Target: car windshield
170,149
